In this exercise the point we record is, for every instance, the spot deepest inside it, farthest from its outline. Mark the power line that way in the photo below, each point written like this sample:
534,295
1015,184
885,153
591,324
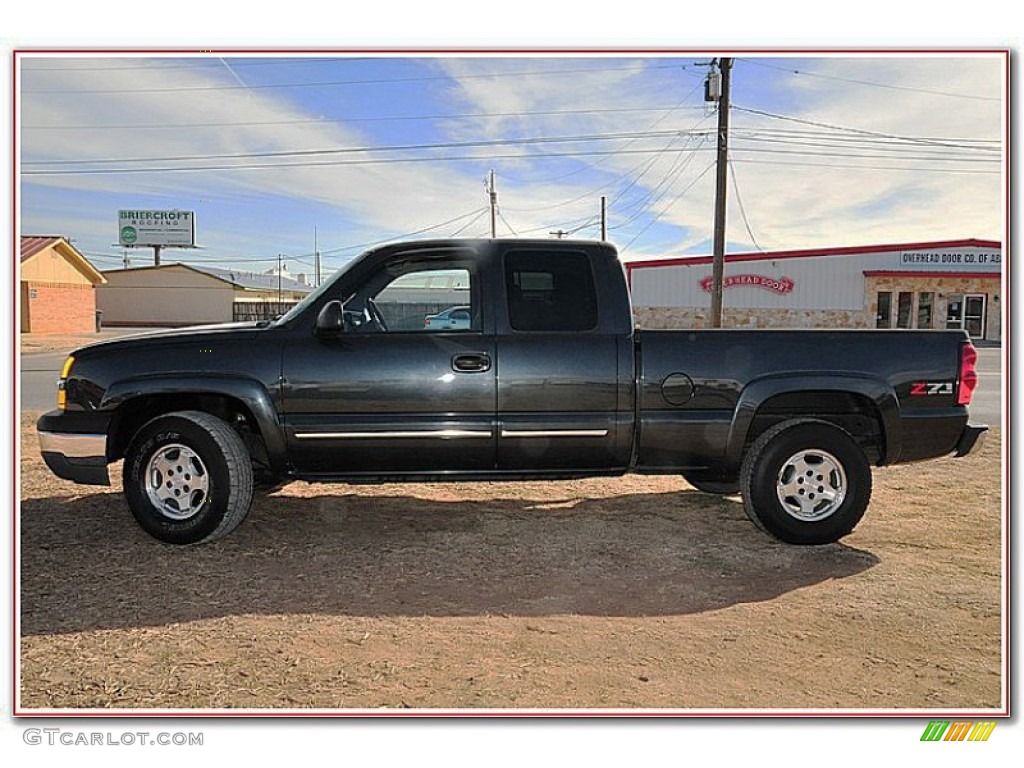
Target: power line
404,234
505,221
368,81
973,144
328,122
665,210
470,223
819,124
872,149
328,163
870,83
646,165
359,150
743,210
874,155
461,158
861,167
196,63
679,104
607,184
660,190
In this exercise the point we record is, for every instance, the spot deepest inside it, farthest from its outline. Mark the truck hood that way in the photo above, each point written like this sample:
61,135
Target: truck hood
170,335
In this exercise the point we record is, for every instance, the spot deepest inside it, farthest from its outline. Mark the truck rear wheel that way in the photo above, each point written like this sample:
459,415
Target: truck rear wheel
188,478
706,481
806,481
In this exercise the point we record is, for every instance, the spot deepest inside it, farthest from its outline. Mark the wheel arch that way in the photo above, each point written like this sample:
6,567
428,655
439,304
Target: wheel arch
243,403
853,403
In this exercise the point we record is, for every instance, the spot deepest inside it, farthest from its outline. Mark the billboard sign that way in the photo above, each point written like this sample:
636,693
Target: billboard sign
149,228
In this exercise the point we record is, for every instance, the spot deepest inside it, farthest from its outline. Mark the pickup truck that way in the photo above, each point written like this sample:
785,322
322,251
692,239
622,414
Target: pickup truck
549,379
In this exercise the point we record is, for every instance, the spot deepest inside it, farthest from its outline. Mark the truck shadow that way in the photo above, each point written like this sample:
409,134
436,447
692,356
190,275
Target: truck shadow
86,565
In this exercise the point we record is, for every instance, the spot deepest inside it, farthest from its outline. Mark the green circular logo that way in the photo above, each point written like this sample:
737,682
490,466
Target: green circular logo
129,235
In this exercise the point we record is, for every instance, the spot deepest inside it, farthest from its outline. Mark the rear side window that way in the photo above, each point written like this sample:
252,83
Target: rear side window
550,291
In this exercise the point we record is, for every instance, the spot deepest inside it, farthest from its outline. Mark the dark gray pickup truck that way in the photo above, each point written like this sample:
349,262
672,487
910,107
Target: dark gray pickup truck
486,360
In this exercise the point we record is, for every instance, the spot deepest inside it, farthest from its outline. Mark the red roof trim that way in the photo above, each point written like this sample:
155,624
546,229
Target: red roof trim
849,250
922,273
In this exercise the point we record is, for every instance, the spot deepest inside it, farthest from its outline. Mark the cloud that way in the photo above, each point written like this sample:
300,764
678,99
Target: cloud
385,198
801,183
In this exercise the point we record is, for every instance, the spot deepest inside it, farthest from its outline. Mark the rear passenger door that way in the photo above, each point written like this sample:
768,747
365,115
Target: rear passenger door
557,365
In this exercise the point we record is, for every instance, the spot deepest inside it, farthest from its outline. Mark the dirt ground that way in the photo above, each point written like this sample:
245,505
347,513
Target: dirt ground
633,592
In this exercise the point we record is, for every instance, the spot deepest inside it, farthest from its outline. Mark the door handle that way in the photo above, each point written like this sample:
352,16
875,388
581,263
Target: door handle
471,363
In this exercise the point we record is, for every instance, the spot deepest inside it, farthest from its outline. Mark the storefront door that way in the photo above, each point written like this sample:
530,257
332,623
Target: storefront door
967,312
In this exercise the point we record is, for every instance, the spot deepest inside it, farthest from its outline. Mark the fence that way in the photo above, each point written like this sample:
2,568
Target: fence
247,311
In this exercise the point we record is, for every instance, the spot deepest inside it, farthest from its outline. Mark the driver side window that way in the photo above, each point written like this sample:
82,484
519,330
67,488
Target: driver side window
439,298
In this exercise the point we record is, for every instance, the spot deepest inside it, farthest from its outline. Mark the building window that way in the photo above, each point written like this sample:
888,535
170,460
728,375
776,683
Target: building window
904,309
955,311
924,309
884,317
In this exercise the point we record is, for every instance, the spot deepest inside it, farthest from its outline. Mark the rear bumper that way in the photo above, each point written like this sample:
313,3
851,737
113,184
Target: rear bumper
971,440
77,456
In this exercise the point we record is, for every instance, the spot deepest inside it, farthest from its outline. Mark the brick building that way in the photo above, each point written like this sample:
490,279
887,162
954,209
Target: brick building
58,286
946,284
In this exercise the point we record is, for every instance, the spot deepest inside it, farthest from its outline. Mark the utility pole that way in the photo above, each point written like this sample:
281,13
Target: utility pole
279,299
493,195
316,261
604,218
721,181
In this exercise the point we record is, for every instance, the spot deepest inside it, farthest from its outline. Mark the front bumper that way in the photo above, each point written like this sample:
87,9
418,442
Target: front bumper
971,440
77,456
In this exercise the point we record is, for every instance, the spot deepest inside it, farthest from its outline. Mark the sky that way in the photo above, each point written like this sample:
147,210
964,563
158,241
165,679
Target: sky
284,153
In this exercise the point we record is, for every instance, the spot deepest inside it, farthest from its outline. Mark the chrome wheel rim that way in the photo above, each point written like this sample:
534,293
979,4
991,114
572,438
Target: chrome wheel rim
177,482
811,485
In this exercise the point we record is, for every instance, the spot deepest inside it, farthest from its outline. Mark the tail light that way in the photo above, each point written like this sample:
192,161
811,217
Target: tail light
968,373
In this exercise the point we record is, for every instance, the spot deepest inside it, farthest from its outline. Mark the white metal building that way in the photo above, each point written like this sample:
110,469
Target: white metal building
181,294
947,284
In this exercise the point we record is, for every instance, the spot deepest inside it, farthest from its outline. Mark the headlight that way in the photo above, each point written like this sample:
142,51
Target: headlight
62,394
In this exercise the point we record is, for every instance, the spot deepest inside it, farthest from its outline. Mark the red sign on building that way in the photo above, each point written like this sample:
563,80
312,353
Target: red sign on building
776,284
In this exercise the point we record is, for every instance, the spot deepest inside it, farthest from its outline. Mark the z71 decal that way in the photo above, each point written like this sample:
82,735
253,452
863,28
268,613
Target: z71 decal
931,388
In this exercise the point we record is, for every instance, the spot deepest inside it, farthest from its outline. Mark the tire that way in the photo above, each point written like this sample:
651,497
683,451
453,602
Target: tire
806,481
188,478
707,481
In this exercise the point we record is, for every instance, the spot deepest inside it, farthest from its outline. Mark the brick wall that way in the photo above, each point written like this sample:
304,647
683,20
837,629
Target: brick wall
678,317
942,287
58,308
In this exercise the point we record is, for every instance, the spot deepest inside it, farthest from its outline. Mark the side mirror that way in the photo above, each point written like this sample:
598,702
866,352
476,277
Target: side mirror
331,320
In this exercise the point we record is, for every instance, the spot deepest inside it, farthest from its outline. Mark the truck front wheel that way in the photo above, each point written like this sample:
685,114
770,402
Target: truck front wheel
188,478
806,481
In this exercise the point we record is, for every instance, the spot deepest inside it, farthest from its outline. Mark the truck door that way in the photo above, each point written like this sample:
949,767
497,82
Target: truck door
559,395
395,392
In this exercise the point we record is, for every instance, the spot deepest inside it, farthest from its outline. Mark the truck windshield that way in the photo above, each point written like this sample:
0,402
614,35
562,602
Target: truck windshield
313,297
